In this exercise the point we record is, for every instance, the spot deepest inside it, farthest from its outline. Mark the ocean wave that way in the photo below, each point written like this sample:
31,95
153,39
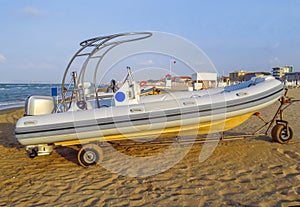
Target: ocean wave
11,102
8,105
15,94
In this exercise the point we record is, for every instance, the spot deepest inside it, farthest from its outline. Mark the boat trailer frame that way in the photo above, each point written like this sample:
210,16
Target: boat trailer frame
282,132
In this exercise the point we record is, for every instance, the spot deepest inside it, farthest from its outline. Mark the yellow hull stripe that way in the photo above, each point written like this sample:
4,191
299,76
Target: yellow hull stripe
202,128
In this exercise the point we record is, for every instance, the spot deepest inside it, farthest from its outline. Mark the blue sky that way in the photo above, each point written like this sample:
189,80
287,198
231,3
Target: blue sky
38,38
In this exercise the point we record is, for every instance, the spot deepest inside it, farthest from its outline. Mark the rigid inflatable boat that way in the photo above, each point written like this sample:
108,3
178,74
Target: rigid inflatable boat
206,111
83,118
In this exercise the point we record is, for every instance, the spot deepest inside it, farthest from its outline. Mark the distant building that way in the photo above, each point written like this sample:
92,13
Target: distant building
204,80
248,76
177,82
181,79
237,76
292,78
278,72
223,81
168,80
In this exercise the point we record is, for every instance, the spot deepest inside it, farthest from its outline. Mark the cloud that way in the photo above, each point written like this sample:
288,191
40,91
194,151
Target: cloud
275,60
31,11
147,62
2,58
38,66
276,45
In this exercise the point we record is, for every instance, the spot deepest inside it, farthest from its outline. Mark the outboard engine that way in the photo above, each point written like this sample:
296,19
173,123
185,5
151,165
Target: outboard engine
39,105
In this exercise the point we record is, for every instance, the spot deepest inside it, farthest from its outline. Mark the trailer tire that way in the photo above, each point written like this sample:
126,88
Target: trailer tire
90,154
32,153
281,135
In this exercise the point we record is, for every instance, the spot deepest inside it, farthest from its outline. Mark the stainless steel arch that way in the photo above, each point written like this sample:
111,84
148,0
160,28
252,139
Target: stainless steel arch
94,45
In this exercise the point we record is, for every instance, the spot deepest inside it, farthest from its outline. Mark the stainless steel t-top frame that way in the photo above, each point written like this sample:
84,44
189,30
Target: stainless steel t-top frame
90,48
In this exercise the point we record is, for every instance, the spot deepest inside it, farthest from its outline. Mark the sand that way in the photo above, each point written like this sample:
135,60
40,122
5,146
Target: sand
252,171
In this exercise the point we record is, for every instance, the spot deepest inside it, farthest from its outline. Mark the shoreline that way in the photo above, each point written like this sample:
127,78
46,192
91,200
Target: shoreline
12,109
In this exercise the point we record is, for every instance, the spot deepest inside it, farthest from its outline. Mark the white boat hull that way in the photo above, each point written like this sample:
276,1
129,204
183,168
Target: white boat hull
198,112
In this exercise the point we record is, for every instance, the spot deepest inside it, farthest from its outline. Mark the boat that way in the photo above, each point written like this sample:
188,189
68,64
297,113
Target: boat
85,117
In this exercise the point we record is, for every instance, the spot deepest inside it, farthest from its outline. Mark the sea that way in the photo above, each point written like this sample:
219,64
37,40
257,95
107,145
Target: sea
13,95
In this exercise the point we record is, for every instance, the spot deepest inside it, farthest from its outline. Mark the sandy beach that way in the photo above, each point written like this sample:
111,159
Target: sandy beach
252,171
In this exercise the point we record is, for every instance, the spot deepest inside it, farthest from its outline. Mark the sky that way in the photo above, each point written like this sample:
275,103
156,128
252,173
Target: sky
39,37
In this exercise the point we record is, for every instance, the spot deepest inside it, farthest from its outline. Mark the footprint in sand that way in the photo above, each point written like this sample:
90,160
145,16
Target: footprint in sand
291,171
289,154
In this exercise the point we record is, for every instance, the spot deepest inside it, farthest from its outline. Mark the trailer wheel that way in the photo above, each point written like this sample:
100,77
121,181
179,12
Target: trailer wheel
90,154
282,134
32,153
